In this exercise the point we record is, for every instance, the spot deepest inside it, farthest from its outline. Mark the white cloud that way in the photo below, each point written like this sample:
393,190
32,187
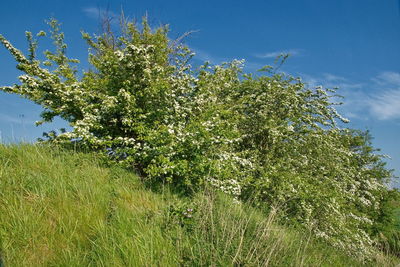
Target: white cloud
96,12
388,78
386,106
291,52
377,98
384,101
354,102
330,80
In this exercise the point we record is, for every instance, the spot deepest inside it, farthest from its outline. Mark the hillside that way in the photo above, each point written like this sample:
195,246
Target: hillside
61,208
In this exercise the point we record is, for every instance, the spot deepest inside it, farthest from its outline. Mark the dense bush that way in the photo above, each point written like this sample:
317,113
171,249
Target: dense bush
266,137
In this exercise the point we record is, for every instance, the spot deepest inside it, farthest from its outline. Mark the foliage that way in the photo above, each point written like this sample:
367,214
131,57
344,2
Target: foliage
387,223
269,138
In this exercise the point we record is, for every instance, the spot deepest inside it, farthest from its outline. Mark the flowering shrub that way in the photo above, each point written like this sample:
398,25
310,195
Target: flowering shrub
269,137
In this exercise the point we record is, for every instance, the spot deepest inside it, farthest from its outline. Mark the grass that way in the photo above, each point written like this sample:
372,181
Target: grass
61,208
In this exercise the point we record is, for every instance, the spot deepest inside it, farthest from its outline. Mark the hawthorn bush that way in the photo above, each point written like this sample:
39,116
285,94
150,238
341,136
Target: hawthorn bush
268,137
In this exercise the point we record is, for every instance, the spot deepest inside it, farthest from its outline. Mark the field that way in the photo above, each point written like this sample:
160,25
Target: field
63,208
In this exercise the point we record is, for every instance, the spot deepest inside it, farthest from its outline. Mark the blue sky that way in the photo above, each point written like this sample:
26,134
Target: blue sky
351,44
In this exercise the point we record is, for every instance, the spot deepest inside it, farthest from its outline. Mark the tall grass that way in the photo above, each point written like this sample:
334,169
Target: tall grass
226,233
59,208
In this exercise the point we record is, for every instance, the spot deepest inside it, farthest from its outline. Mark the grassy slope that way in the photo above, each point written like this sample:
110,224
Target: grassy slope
60,208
